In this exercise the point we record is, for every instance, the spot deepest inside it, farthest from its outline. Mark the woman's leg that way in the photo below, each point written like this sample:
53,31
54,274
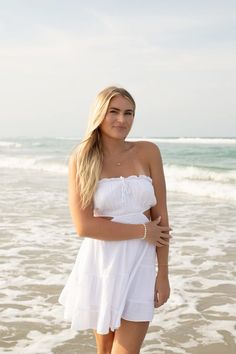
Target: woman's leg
104,342
129,337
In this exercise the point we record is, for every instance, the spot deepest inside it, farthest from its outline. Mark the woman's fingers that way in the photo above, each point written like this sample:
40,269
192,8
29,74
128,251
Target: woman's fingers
158,244
158,235
165,228
163,235
163,242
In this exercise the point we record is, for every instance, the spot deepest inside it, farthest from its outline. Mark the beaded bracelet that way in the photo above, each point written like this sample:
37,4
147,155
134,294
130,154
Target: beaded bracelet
145,232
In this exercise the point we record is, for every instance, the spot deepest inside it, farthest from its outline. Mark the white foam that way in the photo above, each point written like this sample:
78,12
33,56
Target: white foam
68,138
39,247
185,140
201,182
223,309
210,334
39,163
42,344
200,173
7,144
37,144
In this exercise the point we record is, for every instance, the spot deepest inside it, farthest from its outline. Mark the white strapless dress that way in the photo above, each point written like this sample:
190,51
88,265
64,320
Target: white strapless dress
111,280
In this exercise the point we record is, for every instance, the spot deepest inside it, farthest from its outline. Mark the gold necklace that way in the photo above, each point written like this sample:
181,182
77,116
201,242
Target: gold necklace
119,162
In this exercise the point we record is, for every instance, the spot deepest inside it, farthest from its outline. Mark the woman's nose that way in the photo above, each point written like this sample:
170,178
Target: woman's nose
121,117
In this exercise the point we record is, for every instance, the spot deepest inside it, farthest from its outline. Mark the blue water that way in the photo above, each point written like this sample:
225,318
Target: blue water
197,166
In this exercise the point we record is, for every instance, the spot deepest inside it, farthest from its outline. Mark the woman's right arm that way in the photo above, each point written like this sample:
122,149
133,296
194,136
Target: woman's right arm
87,225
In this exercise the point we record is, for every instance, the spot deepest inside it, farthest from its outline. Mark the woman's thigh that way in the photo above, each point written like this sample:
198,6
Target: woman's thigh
129,337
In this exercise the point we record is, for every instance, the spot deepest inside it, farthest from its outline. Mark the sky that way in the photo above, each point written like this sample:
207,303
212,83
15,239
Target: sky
177,59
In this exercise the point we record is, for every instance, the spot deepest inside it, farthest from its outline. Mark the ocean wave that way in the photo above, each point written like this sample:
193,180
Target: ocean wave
37,144
7,144
203,189
201,182
67,138
211,141
214,141
200,174
34,163
185,179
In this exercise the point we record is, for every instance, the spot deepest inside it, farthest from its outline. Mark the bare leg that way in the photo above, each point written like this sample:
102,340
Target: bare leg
104,342
129,337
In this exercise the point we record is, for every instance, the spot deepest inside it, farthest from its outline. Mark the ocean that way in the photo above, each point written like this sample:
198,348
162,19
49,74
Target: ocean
39,246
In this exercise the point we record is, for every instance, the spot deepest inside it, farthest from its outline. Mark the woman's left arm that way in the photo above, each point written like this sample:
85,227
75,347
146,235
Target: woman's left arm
162,287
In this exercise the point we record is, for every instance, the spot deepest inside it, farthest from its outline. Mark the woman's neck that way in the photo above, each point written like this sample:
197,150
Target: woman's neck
113,146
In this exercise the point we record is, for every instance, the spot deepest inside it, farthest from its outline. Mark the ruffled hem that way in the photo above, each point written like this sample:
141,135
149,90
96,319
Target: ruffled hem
117,287
86,319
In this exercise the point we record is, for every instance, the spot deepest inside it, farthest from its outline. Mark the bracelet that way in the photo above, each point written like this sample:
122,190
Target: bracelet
145,232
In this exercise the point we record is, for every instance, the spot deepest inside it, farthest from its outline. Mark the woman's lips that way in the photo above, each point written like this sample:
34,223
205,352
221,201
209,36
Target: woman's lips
118,127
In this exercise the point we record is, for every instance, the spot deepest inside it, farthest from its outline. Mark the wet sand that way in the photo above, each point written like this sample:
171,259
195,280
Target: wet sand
39,247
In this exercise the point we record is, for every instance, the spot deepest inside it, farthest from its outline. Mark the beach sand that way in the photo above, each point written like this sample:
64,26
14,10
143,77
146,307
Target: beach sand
39,247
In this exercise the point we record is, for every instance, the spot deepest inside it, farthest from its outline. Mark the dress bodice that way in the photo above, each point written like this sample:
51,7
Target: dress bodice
123,195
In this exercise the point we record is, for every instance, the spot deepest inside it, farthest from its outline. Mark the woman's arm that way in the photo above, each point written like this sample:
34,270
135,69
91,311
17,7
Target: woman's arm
162,287
86,225
160,209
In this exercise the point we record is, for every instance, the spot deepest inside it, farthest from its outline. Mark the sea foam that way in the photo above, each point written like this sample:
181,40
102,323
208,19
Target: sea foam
201,181
41,163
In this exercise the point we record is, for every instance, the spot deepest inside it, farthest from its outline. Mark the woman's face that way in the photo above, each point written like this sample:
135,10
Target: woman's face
119,118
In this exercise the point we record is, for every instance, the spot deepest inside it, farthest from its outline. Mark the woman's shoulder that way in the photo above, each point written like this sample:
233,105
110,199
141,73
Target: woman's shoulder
147,147
149,152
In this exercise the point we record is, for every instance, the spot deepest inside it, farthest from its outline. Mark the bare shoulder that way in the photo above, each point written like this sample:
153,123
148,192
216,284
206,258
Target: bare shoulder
149,149
150,154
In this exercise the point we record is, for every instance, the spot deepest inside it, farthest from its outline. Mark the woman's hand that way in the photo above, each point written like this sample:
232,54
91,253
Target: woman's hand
157,235
162,290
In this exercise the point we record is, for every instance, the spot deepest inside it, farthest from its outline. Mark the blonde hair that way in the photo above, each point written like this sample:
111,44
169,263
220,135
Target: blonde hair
89,153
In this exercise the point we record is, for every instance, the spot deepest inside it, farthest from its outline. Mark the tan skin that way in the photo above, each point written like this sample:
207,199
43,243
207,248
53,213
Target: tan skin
135,158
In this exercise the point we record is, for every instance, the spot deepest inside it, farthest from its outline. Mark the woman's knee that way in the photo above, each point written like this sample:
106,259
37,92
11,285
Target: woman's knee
104,343
106,348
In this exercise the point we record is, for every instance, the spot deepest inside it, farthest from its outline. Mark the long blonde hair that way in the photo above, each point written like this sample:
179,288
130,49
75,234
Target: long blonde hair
89,153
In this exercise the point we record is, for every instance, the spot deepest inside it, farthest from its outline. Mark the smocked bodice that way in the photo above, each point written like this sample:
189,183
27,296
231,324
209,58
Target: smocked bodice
123,195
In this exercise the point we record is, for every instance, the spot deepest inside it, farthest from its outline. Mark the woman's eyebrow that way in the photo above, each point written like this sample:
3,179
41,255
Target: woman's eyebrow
117,109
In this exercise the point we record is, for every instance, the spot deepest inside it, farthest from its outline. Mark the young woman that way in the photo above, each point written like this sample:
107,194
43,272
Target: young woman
117,199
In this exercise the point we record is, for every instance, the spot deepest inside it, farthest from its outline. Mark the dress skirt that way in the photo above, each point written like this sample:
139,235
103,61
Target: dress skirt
111,280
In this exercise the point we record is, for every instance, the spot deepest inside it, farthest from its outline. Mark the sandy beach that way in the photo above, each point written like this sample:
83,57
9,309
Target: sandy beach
39,247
